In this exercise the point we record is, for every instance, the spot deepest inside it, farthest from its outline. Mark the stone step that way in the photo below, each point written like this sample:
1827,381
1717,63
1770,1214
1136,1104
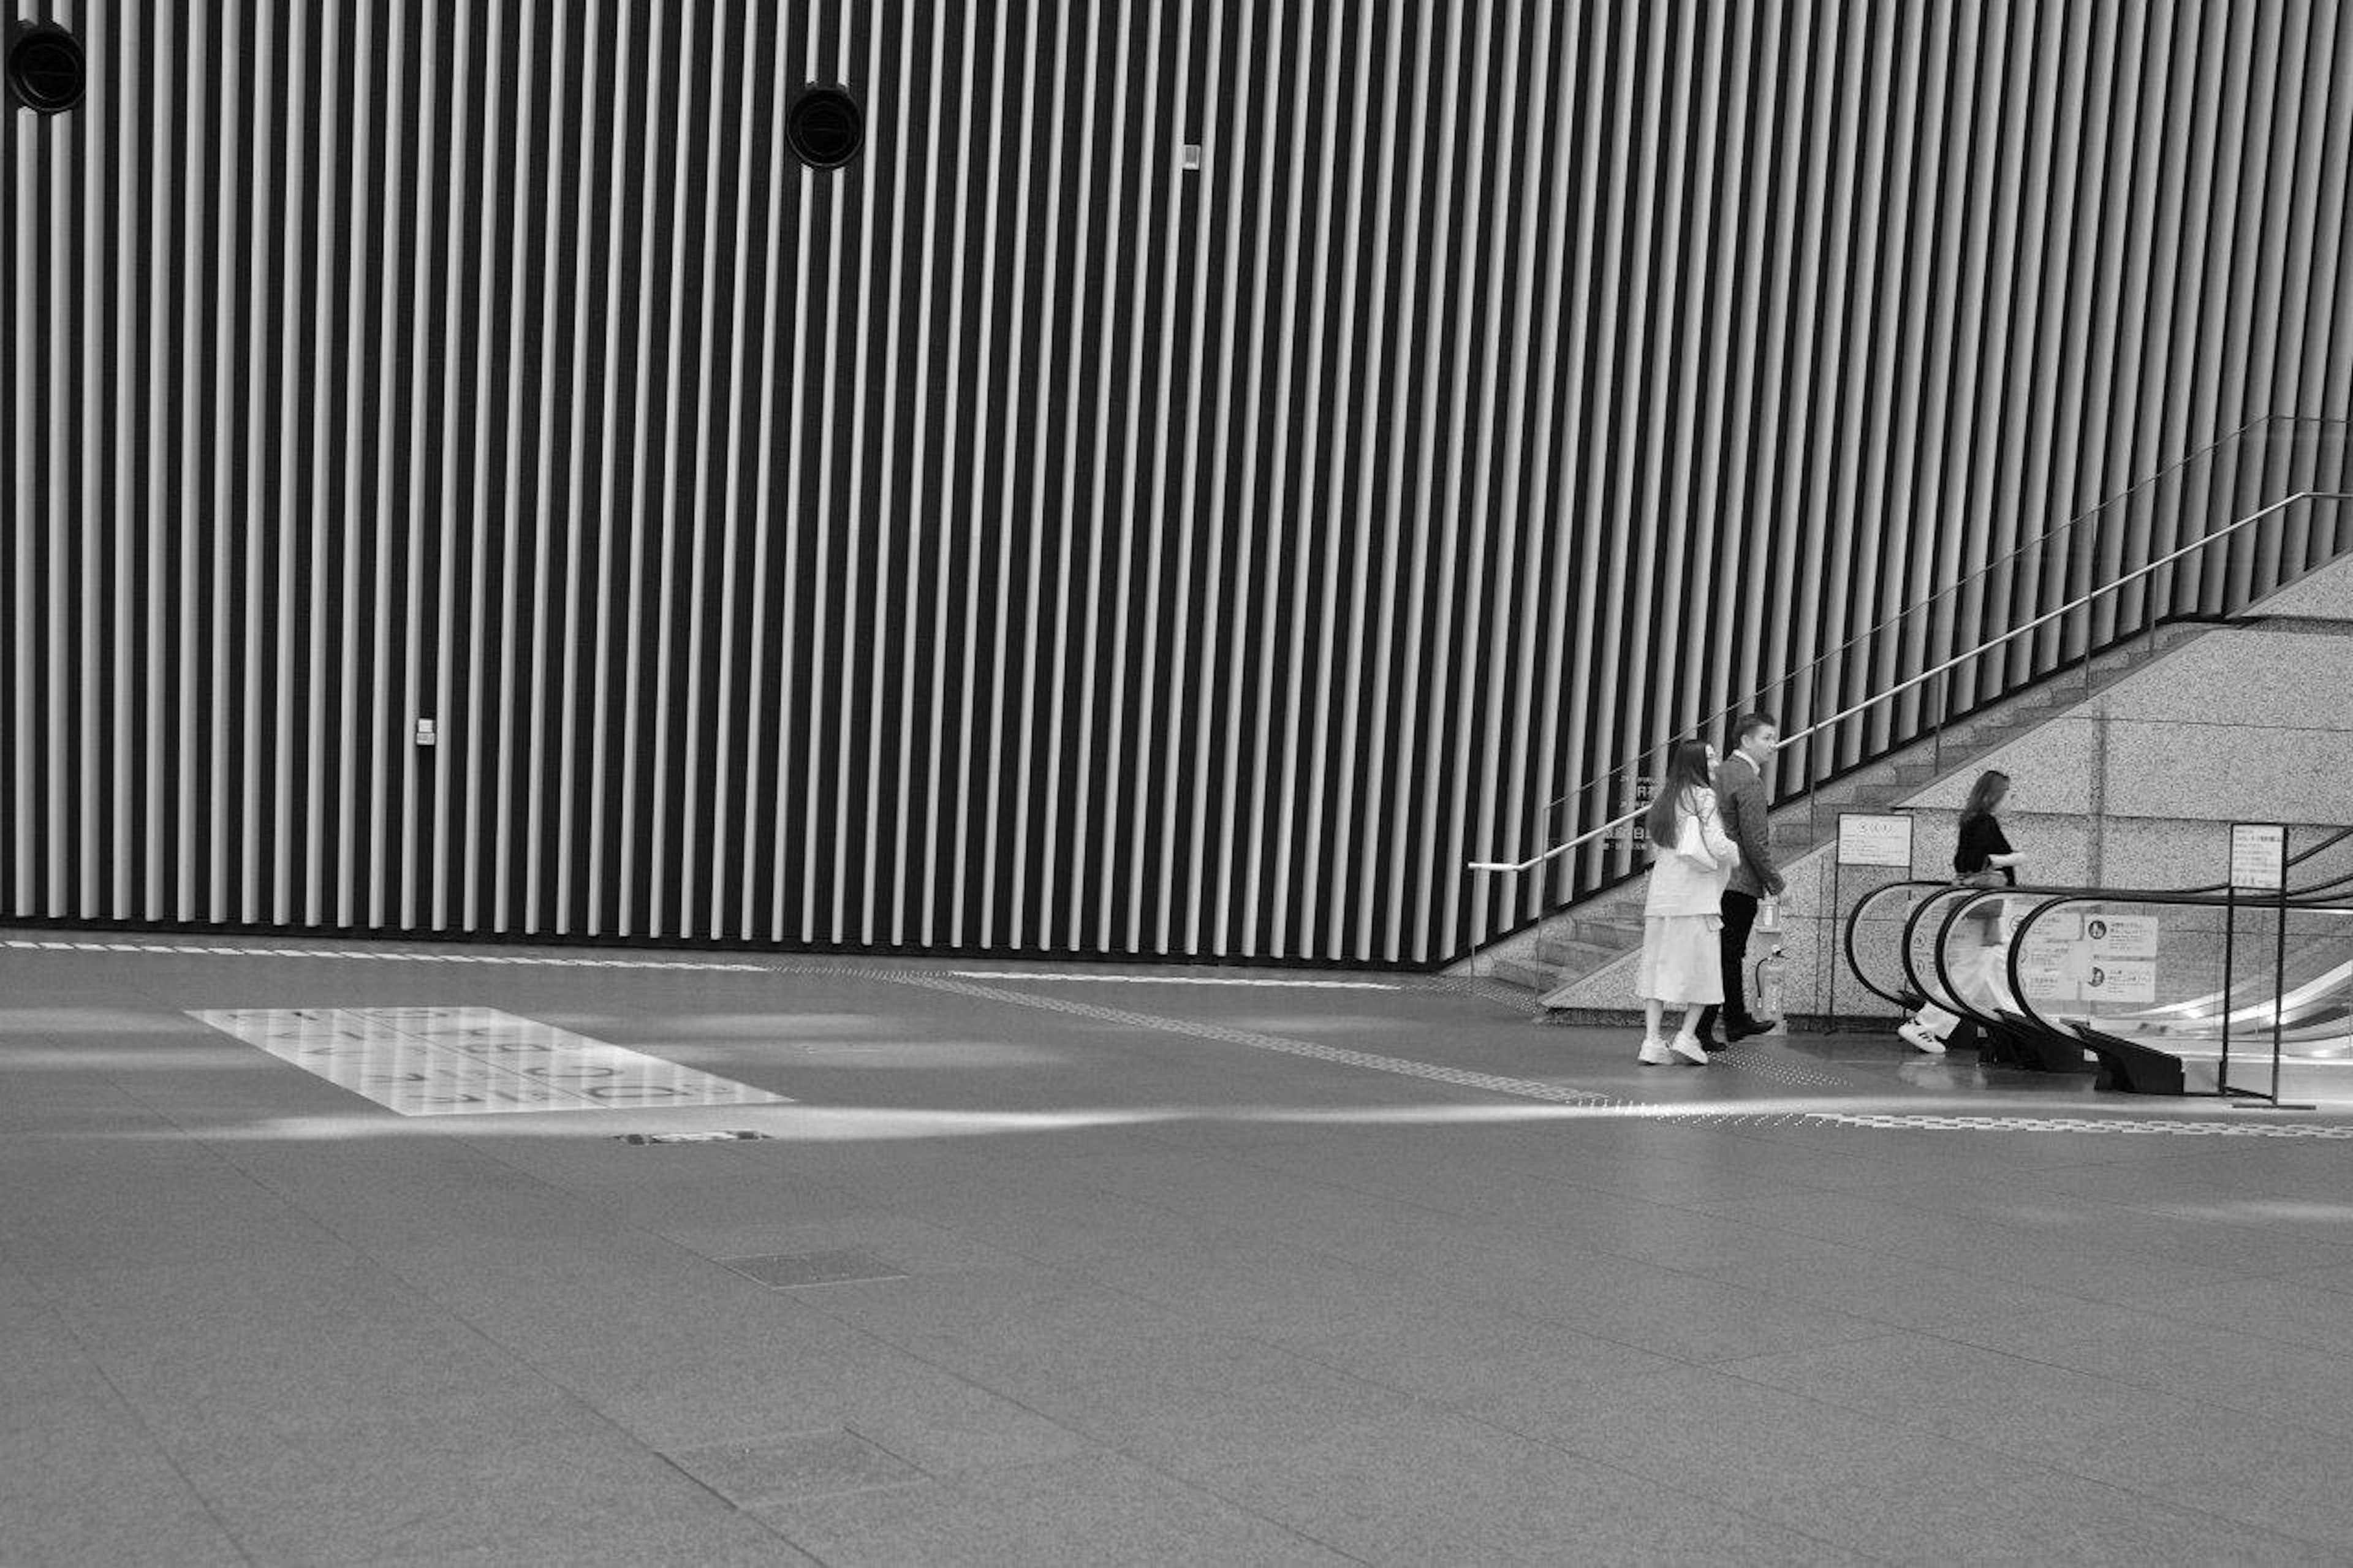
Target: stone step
1848,792
1607,928
1555,950
1535,977
1569,958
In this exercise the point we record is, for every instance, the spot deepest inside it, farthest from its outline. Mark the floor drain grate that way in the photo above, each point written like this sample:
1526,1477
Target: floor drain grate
808,1464
687,1137
783,1270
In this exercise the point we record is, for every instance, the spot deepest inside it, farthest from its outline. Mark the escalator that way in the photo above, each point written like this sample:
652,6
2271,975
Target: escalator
2173,991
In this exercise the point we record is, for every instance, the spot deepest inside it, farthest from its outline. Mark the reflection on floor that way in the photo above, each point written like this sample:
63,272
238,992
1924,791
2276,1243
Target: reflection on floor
1032,1264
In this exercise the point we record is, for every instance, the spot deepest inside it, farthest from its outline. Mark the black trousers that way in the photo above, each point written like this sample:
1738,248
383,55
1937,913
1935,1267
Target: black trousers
1739,918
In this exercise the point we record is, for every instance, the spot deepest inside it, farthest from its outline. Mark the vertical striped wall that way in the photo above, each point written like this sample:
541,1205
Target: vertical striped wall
1016,542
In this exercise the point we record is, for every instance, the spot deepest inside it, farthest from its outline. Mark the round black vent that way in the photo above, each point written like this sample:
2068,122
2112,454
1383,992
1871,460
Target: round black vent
825,127
44,68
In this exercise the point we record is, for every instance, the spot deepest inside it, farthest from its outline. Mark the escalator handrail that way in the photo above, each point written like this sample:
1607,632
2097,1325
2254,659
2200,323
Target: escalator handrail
2051,899
1854,916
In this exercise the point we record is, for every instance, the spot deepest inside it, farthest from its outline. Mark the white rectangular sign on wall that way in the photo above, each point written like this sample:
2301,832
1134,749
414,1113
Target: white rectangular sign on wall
2258,855
1869,839
470,1061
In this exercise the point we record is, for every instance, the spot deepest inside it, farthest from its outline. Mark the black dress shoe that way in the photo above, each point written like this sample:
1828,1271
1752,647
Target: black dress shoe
1709,1043
1738,1029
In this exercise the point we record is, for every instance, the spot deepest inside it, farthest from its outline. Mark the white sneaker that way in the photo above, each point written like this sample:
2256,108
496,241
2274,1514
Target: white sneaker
1920,1040
1688,1047
1653,1053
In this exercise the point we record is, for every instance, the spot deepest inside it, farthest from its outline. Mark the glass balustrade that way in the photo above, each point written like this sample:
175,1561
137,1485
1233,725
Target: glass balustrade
2249,995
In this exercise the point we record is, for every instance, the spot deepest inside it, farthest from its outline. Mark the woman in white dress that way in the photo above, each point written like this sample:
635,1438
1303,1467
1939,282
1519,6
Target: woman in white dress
1682,950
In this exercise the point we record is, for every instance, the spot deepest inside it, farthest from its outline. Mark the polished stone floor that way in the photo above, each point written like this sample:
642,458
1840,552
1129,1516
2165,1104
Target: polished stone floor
1038,1265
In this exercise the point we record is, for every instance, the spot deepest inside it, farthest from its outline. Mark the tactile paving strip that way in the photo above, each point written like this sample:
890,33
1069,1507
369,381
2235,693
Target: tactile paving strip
1779,1071
2184,1129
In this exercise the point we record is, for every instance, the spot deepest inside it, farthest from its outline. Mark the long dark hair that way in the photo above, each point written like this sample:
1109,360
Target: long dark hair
1687,773
1985,794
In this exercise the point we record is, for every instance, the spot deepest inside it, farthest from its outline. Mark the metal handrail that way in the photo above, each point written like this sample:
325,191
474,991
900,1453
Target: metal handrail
2088,514
1978,652
2037,545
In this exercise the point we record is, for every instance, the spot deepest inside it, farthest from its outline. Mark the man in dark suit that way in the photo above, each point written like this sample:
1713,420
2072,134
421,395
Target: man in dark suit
1741,797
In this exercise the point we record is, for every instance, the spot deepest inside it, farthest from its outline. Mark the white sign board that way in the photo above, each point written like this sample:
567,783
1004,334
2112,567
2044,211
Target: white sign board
1870,839
2258,855
1637,832
459,1061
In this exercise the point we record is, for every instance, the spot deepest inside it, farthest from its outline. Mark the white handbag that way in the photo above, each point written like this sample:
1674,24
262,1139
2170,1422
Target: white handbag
1691,843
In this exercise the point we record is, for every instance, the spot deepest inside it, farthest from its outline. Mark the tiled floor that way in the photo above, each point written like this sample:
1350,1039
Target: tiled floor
1146,1270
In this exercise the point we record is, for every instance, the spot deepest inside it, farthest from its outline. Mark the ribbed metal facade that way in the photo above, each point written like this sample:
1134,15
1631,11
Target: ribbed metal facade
1016,542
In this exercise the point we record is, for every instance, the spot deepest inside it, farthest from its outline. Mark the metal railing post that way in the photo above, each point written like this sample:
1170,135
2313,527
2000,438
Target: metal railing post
1815,771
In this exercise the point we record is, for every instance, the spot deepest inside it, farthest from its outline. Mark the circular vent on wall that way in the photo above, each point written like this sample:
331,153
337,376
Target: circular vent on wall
45,72
825,127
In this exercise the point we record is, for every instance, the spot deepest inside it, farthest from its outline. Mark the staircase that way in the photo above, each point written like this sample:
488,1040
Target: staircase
1581,942
1567,961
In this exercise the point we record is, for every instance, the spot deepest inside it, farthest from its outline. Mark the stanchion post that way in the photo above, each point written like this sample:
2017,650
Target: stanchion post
2230,961
2279,990
1828,924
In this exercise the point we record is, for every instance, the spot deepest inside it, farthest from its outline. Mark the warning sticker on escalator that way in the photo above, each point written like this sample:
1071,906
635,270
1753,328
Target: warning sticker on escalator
2120,980
457,1061
2048,958
2121,938
2069,957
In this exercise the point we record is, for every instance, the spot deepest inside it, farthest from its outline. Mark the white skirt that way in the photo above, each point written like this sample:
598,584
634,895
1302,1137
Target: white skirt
1683,959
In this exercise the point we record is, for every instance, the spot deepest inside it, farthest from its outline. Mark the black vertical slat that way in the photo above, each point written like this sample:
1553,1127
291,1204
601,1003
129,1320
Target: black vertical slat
104,838
595,106
643,163
272,211
528,148
468,854
720,871
14,852
67,645
293,404
51,339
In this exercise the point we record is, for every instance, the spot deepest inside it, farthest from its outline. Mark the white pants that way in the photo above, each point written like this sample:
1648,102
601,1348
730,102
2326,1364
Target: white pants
1982,980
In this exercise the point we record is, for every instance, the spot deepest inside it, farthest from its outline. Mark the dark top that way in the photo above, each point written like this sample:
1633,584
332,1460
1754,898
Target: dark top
1741,800
1981,839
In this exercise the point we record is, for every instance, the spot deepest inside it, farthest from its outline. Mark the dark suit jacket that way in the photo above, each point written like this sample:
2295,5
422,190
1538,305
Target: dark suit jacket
1741,799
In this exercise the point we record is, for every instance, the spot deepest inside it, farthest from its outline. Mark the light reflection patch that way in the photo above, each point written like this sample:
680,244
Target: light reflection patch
461,1061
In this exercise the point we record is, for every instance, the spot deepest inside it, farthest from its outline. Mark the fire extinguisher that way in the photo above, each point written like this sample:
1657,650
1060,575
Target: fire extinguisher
1773,986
